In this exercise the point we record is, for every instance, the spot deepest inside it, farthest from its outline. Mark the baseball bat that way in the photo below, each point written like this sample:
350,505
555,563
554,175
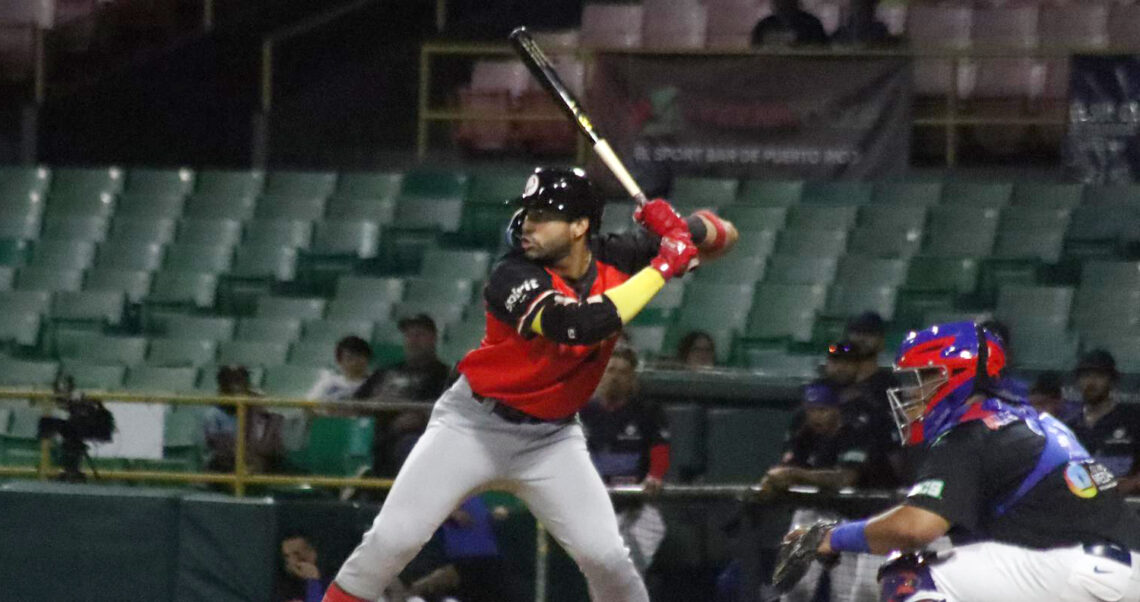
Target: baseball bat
540,67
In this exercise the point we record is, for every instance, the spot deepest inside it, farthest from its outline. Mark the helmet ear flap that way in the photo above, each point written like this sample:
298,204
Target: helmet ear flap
514,229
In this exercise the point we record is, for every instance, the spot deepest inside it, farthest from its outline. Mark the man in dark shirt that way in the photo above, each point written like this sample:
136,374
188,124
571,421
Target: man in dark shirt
788,25
628,439
1031,515
1108,429
861,28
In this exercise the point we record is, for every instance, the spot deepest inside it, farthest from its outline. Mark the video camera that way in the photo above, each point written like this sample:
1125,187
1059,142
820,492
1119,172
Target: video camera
87,420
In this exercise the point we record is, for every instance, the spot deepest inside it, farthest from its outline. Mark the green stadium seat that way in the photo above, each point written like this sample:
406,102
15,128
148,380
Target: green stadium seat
290,208
771,193
181,352
822,217
811,243
27,373
484,225
778,364
846,300
617,217
960,232
920,194
161,379
100,204
216,232
65,180
442,312
369,185
278,233
313,354
496,187
1032,218
754,217
445,215
20,227
63,254
230,182
300,308
756,242
885,243
367,288
649,341
74,228
291,380
160,182
1047,196
871,271
1096,230
22,203
1105,308
733,268
25,301
21,434
17,179
741,444
22,328
798,269
441,264
883,216
1111,194
145,230
184,288
331,330
335,237
687,433
837,193
14,253
336,446
208,259
1044,244
96,348
1033,350
711,306
150,206
239,208
446,290
300,183
977,194
360,309
253,353
7,278
99,377
49,279
663,305
380,211
940,274
785,310
1044,308
1111,274
431,183
130,255
703,192
1124,345
214,328
95,306
134,284
269,330
271,262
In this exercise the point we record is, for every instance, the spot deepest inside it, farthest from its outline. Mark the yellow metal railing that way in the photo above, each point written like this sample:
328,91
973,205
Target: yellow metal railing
952,117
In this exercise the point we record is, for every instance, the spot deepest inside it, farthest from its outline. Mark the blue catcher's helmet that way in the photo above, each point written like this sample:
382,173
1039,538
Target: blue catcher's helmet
566,192
939,368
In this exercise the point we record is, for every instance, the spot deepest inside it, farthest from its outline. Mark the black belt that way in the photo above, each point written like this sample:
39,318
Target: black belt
1110,551
515,416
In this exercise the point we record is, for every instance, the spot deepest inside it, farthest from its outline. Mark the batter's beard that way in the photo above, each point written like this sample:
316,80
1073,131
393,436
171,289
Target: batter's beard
548,256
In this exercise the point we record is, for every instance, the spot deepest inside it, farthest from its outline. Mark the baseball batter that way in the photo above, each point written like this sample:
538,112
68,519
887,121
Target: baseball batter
555,306
1032,516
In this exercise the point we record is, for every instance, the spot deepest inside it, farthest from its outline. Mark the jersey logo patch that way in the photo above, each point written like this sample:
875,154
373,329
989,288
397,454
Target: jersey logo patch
1079,480
519,291
932,488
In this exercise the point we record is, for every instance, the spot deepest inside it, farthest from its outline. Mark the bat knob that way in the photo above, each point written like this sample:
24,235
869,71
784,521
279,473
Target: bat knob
518,31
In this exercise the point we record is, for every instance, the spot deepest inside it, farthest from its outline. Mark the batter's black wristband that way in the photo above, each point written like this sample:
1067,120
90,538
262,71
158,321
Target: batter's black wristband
696,229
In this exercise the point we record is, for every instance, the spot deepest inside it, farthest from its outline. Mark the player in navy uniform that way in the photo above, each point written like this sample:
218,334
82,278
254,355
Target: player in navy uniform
1108,429
555,308
1032,516
628,440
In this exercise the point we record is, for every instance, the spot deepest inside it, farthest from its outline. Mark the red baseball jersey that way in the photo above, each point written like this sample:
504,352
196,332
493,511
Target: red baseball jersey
528,372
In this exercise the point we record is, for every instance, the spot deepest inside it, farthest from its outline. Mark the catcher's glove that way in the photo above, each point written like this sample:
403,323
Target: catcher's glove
797,553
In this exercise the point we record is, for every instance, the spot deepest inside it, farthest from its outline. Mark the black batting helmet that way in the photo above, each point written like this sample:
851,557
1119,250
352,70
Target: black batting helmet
564,191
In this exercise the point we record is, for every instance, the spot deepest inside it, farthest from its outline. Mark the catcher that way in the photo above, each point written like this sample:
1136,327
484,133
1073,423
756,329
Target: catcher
1033,518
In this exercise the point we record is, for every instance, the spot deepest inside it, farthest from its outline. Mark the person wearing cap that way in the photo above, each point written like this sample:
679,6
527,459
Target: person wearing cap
863,400
1108,429
420,376
1047,395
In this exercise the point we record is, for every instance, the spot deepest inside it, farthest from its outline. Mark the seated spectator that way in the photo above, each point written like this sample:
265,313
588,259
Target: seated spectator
788,25
697,350
353,356
421,376
263,445
1109,430
861,28
628,441
302,579
1046,395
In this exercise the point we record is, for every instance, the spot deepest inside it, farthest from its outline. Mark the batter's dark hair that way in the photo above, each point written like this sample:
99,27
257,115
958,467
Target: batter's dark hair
355,345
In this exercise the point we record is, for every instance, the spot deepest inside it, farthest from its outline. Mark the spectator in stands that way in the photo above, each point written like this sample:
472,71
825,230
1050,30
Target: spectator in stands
852,369
1109,430
353,356
264,448
628,439
1046,395
827,451
788,25
861,28
421,376
302,579
868,333
697,350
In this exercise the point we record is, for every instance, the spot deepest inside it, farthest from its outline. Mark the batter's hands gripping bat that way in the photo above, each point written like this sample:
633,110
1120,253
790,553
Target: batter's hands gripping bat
544,72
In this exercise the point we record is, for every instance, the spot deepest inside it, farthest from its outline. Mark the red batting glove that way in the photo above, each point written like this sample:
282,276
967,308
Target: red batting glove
675,257
661,219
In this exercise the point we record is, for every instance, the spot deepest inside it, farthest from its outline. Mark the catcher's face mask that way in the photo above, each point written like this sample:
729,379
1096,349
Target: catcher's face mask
917,386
